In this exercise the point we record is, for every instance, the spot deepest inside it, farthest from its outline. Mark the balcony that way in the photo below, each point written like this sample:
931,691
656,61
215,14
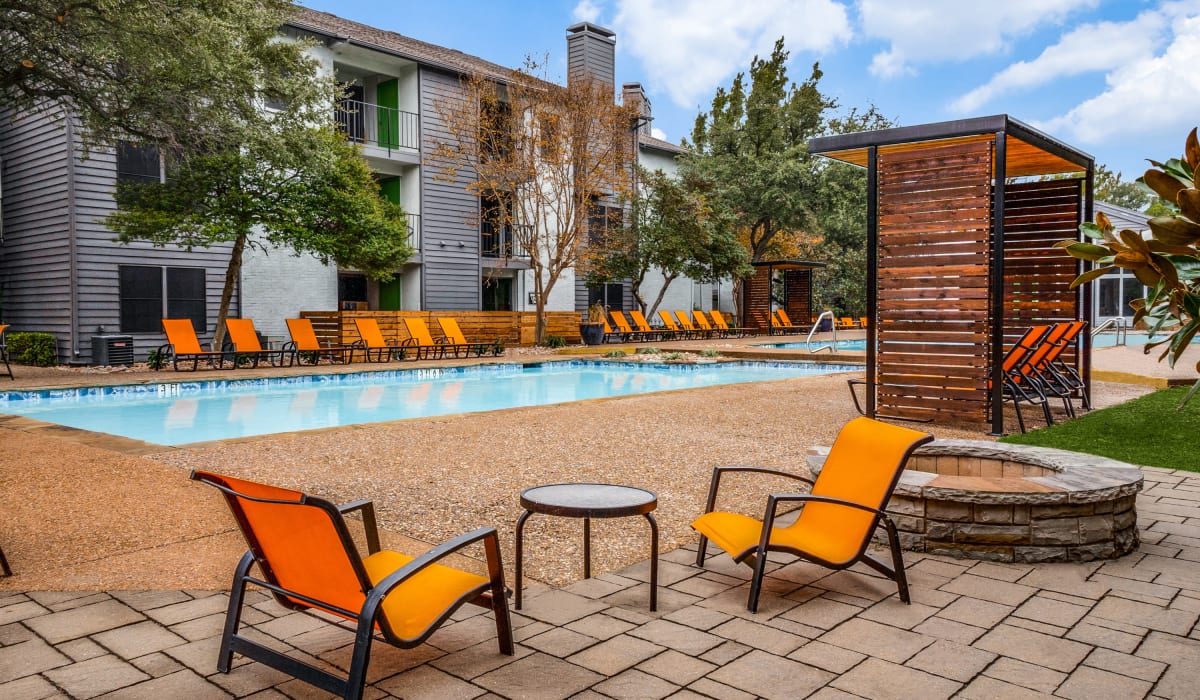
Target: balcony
414,231
382,127
498,242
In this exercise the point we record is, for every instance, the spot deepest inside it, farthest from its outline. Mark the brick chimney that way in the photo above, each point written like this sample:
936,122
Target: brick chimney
634,95
591,52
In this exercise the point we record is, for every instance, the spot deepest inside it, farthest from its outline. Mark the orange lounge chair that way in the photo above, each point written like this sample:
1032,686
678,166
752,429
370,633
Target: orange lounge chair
1016,385
458,341
862,321
839,515
650,333
669,323
308,561
845,323
421,341
721,326
4,358
304,344
704,326
623,328
685,322
245,344
371,340
183,344
785,324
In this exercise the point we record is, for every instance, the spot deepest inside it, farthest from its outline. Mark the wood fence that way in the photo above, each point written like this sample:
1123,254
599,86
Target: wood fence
513,328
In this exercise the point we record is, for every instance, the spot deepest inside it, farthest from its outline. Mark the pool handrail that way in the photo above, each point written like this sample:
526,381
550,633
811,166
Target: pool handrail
1118,323
816,325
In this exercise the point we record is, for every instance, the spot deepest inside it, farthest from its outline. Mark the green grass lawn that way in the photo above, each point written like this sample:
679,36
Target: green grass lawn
1148,431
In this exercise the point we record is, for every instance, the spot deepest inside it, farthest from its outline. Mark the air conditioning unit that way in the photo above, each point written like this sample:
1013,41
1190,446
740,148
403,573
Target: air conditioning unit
112,350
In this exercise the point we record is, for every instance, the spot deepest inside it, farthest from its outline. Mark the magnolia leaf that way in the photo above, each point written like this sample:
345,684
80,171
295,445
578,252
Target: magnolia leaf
1083,251
1189,203
1134,240
1191,151
1191,392
1183,338
1164,267
1146,275
1186,264
1091,231
1157,246
1091,275
1103,222
1163,184
1131,259
1173,230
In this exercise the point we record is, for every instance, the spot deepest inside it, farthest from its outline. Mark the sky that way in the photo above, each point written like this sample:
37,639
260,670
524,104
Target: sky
1115,78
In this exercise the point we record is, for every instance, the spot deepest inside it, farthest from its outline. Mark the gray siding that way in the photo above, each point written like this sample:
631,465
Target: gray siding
591,55
35,262
50,188
449,213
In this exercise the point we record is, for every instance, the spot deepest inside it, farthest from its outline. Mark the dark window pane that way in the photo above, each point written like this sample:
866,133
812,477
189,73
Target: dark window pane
140,298
136,163
186,296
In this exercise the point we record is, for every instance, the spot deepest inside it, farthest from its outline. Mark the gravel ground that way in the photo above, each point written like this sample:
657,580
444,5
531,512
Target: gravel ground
84,516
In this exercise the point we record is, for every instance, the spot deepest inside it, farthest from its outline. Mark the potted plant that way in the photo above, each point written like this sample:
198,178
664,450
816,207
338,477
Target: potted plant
592,330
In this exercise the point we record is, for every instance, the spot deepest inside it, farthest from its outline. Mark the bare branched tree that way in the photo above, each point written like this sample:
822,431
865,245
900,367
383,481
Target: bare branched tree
543,156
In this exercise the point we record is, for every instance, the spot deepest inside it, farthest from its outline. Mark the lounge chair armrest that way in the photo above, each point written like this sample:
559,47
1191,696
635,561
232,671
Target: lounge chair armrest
289,346
432,557
718,471
367,507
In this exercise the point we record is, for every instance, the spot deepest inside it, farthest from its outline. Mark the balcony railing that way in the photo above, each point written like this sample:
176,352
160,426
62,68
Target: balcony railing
414,231
385,127
499,242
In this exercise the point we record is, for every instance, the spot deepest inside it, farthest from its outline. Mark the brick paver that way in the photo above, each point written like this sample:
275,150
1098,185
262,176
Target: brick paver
1122,629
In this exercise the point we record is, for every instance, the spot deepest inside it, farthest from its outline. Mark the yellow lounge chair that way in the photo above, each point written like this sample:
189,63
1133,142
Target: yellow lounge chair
421,341
304,344
245,344
308,561
845,323
720,325
862,321
183,344
840,513
704,326
371,340
458,342
685,322
624,330
784,324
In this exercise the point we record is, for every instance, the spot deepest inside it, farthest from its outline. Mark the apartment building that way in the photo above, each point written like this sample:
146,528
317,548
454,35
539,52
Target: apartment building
61,272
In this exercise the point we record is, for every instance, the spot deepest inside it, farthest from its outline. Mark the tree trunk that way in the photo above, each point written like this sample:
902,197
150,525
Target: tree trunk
231,276
667,280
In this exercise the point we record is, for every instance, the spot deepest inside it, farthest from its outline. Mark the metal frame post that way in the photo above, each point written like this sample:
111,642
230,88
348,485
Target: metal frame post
872,273
996,283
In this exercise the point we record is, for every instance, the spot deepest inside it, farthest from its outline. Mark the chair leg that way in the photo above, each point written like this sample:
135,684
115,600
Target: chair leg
233,616
700,551
504,634
760,570
356,680
897,560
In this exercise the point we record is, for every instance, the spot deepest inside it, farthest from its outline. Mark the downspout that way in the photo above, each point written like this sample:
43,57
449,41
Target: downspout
72,245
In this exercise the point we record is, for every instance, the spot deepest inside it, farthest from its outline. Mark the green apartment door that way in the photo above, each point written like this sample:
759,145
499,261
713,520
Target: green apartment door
388,120
390,296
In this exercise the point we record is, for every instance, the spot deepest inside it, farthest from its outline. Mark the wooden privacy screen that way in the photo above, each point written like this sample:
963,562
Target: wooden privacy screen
1037,276
757,299
934,231
798,295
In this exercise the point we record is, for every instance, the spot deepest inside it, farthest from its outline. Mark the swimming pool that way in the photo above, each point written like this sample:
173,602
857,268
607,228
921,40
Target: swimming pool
1104,340
184,412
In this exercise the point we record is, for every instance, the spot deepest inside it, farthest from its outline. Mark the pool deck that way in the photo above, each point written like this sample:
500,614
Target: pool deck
121,565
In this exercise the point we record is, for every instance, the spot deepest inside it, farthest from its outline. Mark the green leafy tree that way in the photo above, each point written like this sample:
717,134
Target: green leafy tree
293,186
1168,262
178,73
678,228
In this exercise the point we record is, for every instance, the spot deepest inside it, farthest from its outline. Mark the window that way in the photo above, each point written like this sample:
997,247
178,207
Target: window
603,219
495,231
149,294
136,163
612,296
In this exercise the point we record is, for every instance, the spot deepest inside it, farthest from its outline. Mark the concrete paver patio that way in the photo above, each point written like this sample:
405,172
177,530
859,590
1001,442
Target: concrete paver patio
1118,629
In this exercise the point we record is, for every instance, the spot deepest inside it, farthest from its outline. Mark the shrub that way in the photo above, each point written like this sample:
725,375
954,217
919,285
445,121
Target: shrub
672,357
647,351
556,341
710,352
615,353
157,359
37,349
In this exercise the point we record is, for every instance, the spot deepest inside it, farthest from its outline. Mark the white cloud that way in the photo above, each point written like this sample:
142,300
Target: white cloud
688,48
1087,49
929,31
658,133
1151,96
586,11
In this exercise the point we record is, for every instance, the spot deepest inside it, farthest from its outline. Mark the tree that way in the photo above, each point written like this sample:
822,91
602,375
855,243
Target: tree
294,186
1109,188
548,154
170,72
1168,262
676,227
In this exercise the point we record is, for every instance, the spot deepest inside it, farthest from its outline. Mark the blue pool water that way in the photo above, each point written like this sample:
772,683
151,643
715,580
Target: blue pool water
1104,340
184,412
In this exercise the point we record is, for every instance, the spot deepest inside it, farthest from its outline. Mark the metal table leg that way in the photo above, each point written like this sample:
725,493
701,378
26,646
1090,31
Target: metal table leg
653,562
520,551
587,547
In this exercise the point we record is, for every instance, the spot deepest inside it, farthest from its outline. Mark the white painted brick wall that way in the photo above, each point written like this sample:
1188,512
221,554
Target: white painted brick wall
279,285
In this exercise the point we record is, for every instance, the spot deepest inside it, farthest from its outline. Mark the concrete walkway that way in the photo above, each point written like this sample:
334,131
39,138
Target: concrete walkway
1120,629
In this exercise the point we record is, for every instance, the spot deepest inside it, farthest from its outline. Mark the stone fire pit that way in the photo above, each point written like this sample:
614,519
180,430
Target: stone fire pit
1013,503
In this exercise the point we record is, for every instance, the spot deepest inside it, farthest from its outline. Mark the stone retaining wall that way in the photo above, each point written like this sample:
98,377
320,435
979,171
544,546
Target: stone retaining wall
1000,502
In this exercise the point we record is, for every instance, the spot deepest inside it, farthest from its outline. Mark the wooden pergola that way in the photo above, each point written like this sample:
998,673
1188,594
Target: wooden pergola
797,292
959,258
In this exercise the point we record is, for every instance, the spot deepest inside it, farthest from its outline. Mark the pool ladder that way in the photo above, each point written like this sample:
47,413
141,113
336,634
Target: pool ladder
1118,324
816,325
